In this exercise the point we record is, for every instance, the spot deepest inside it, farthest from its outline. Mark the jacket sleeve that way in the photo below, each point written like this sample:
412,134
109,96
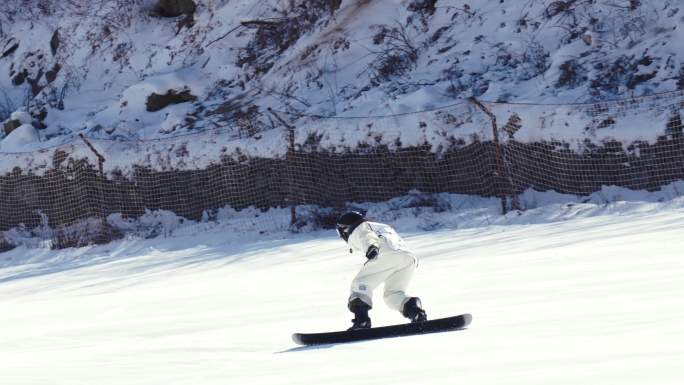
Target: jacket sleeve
364,237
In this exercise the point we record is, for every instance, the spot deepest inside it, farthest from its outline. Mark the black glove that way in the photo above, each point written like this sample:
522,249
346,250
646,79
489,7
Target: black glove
372,252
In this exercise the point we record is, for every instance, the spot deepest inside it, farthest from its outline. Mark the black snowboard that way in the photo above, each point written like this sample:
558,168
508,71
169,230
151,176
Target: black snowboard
430,326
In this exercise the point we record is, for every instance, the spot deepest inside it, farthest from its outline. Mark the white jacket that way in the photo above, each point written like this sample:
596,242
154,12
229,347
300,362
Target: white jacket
393,266
376,234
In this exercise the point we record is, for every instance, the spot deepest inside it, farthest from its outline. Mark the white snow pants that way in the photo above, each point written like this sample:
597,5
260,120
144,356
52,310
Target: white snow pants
394,269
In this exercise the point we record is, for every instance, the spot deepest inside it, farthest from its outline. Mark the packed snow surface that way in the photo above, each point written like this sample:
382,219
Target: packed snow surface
561,294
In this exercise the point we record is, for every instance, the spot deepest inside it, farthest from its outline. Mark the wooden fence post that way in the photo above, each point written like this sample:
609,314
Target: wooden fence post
502,168
289,163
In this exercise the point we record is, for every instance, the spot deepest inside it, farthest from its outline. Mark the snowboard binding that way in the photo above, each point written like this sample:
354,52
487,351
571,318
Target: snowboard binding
361,319
413,310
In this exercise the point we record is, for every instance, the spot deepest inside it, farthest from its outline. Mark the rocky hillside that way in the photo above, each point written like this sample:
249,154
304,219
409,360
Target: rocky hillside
140,69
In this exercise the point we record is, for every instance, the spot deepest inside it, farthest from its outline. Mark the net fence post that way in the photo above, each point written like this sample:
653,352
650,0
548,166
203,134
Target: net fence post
289,166
100,206
502,167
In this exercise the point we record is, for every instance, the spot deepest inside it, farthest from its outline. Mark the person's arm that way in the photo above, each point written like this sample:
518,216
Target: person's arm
366,240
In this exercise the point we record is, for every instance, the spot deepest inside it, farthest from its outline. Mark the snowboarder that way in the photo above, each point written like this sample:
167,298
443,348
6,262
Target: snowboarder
389,262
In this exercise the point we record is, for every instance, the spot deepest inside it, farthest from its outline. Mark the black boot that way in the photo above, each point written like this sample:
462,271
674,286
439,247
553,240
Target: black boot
413,310
360,309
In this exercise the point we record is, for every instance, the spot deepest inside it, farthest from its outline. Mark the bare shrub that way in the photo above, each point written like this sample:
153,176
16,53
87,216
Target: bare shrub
92,231
247,121
556,8
533,61
624,71
536,60
572,74
5,244
423,9
316,218
397,55
276,34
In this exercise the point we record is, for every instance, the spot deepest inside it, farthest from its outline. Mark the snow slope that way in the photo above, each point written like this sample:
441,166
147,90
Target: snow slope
90,69
590,294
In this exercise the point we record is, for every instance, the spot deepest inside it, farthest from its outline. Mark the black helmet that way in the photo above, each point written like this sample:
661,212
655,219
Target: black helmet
348,222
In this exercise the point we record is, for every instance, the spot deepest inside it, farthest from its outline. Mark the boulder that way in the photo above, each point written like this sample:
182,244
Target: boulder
16,119
22,116
11,125
19,139
173,8
20,77
156,102
51,75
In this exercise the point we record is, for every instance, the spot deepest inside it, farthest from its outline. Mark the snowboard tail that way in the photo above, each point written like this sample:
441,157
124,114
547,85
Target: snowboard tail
430,326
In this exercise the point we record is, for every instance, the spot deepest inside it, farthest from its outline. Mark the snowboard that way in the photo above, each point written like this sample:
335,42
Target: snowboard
430,326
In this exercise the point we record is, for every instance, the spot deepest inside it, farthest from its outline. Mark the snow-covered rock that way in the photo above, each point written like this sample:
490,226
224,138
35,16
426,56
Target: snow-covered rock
22,117
16,119
23,138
